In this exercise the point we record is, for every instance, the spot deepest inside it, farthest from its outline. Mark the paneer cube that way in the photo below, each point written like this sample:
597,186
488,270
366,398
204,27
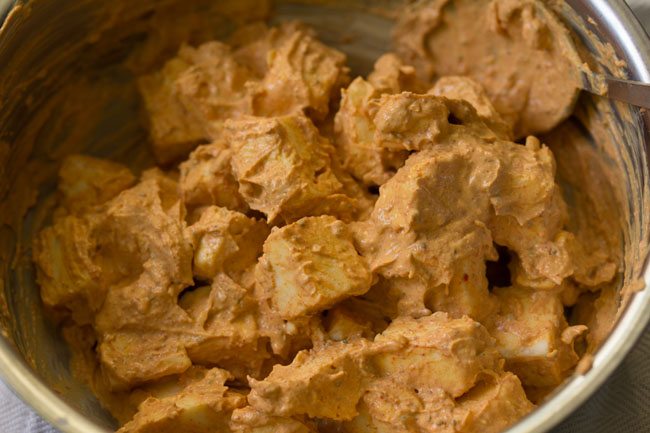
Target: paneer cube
390,406
249,420
407,121
530,213
469,90
215,87
143,226
310,265
493,405
466,294
203,406
68,276
85,182
207,180
439,352
355,134
323,383
533,335
145,262
228,335
391,75
225,241
173,131
188,100
253,43
284,168
303,76
442,375
430,234
122,364
344,324
123,337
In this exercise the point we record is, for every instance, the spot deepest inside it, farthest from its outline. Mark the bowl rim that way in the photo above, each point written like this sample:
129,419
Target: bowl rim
634,46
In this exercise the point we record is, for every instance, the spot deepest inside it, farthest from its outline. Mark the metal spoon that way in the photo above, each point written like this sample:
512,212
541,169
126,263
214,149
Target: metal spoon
632,92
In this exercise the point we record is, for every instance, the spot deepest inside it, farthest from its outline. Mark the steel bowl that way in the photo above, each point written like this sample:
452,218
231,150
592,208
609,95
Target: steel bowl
43,43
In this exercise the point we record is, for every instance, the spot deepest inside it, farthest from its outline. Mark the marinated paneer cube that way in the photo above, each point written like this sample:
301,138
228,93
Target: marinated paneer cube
68,276
188,100
323,383
303,76
368,162
533,336
85,182
344,324
250,420
203,406
225,241
310,265
439,352
466,89
206,179
284,168
391,75
227,333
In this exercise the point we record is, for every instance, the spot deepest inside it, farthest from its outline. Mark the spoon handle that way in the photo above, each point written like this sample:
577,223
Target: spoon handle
632,92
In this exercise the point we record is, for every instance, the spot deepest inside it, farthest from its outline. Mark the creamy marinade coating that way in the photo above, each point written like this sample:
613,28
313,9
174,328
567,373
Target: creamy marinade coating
266,286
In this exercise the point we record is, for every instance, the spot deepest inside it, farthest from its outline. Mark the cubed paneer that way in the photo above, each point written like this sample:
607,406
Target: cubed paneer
85,182
323,383
344,324
206,179
466,89
249,420
253,43
215,87
125,332
188,100
228,335
303,76
466,293
526,185
391,75
173,131
204,406
122,364
225,241
142,229
533,335
440,375
355,134
529,215
284,168
66,253
493,405
310,265
437,351
67,274
431,237
390,406
407,121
